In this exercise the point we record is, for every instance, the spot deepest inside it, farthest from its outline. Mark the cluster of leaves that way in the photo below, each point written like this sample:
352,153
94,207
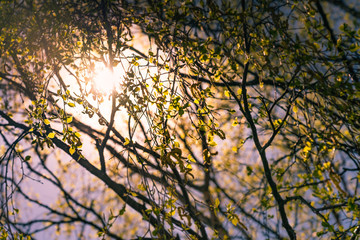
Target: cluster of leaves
232,119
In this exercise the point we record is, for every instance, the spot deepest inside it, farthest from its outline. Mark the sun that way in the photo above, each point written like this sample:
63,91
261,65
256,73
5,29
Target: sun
106,80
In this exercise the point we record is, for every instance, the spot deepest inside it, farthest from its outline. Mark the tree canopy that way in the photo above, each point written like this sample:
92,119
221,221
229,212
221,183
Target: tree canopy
215,119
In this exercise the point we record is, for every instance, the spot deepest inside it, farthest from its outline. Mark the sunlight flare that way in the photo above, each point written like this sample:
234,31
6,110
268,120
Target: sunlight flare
106,80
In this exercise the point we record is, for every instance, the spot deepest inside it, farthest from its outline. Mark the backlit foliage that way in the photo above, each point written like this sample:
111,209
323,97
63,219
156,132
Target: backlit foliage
226,120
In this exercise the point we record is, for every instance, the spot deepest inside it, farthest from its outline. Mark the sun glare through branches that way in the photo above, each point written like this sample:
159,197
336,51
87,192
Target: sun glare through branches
105,79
